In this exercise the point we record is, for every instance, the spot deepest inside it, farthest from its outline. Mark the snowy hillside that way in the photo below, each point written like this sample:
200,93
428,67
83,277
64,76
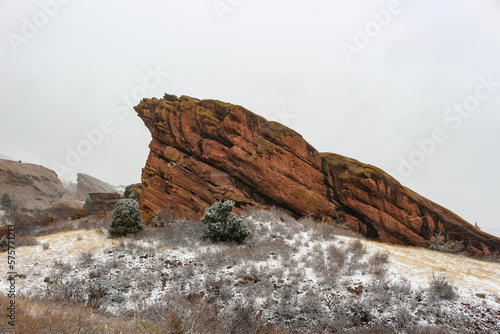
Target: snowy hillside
301,276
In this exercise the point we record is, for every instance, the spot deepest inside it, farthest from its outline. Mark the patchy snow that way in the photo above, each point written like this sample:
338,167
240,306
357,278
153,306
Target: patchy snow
469,275
143,272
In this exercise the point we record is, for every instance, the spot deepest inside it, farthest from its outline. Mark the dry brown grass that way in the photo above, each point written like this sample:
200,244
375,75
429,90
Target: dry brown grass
45,316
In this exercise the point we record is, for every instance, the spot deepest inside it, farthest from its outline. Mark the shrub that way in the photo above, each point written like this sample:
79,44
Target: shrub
126,218
222,224
357,248
101,214
378,263
47,221
130,193
159,220
4,244
333,264
96,296
88,205
79,213
441,288
86,258
440,243
5,200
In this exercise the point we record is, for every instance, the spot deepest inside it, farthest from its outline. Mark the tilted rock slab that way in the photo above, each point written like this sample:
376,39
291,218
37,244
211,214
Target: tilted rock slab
203,151
87,184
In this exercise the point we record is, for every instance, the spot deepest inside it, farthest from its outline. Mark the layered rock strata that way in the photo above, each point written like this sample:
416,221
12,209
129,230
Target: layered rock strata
102,201
203,151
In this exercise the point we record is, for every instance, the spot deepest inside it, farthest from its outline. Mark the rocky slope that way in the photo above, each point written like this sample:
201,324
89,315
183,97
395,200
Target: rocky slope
88,184
206,150
30,186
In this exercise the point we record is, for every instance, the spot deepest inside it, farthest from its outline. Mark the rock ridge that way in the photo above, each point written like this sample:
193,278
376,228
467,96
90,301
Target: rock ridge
30,186
207,150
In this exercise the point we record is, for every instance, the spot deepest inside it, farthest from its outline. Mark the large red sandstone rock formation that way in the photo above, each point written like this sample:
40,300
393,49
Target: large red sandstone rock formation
205,151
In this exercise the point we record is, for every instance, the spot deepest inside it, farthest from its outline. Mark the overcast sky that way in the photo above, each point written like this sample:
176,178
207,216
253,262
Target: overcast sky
412,87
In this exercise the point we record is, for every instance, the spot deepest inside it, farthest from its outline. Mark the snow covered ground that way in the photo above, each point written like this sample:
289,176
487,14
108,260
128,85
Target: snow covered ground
285,265
469,275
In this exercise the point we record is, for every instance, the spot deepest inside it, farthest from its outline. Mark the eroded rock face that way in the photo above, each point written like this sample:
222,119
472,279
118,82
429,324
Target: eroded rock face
205,150
30,186
88,184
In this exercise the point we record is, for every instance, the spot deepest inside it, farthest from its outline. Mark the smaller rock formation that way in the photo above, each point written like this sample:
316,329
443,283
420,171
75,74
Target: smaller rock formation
30,186
87,184
47,221
103,201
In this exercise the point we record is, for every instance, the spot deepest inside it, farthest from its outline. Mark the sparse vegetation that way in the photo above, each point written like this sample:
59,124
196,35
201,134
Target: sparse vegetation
441,288
126,218
86,258
79,213
5,200
378,264
288,276
440,243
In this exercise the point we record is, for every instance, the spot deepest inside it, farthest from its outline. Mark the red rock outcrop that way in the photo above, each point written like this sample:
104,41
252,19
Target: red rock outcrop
30,186
205,150
102,201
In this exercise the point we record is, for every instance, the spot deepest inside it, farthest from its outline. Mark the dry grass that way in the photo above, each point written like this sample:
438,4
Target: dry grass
205,289
45,316
462,271
66,243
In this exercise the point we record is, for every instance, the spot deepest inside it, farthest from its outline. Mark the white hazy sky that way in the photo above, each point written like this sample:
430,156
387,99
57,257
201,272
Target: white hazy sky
68,66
